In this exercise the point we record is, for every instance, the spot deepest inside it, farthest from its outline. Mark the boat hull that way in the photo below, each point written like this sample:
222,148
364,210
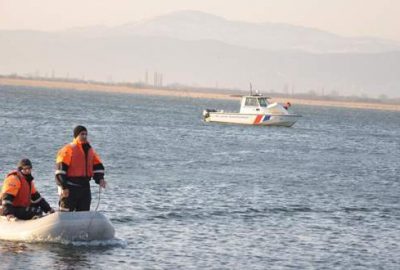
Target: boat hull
72,226
286,120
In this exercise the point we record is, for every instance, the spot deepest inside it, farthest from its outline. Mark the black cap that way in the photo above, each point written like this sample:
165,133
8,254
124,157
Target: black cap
23,163
79,129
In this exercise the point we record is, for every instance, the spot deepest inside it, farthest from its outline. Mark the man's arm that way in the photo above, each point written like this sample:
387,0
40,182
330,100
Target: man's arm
9,192
37,199
7,204
63,161
98,171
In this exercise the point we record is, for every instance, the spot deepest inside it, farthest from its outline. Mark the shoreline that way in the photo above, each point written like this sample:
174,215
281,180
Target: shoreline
97,87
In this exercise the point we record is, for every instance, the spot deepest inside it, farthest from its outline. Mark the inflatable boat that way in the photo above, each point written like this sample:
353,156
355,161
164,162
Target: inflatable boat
70,226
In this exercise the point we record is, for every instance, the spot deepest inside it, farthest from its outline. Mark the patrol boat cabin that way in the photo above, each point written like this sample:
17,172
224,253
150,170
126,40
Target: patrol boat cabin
254,110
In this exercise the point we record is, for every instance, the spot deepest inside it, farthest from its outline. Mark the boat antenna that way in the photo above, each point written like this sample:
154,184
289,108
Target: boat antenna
251,89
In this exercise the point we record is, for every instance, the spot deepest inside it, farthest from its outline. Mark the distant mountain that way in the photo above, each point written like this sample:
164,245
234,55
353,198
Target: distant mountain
125,53
195,25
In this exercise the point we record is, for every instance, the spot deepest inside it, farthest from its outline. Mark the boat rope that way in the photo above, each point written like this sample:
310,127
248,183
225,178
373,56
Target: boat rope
98,199
95,210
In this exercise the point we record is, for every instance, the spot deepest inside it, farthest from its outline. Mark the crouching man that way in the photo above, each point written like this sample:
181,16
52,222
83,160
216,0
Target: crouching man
19,197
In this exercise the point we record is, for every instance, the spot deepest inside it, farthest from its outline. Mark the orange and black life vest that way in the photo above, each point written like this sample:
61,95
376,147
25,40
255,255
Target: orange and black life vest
79,164
16,185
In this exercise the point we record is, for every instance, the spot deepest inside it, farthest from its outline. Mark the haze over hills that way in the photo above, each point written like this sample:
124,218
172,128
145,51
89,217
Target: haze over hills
196,48
195,25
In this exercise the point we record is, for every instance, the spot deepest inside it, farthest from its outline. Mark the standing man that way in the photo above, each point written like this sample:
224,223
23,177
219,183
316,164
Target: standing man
76,164
19,196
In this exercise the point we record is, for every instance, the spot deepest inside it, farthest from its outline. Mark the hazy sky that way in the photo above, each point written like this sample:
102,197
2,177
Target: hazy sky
380,18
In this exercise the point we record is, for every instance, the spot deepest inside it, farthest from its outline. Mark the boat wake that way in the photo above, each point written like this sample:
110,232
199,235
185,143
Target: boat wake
116,242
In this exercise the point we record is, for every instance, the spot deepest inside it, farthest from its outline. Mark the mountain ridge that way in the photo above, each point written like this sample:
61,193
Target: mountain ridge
195,25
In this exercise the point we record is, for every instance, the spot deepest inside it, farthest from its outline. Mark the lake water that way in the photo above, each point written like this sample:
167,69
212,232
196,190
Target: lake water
184,194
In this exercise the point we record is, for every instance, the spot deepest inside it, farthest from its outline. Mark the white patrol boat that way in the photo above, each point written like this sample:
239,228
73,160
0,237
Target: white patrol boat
254,110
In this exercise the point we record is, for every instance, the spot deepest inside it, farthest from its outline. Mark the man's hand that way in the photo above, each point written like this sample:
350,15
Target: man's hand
103,183
65,193
11,217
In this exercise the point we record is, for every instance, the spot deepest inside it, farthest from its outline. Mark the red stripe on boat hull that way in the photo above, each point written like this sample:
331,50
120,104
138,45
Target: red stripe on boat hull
258,119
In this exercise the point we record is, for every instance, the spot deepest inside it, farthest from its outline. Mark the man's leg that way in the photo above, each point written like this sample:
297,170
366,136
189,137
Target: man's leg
85,198
35,207
69,203
24,213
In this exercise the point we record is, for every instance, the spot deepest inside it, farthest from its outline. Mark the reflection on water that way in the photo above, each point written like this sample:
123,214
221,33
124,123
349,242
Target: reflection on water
74,255
12,247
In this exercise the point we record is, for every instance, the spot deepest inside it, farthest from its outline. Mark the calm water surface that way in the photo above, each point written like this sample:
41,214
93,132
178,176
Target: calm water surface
184,194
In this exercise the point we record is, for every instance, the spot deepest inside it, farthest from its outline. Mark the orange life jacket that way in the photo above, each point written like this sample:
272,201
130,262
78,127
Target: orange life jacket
79,165
16,185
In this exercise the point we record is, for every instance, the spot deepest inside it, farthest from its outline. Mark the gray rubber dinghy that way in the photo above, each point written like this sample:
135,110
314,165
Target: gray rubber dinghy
71,226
